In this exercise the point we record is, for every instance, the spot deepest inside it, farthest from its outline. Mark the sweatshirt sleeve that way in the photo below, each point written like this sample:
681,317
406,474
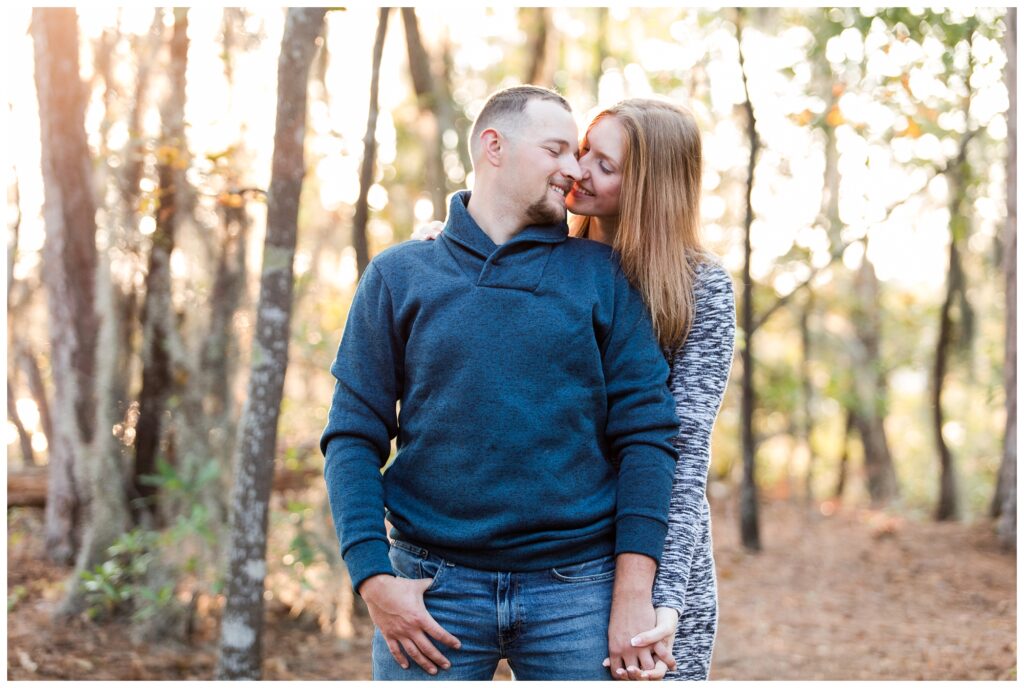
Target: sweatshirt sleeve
360,425
700,371
641,424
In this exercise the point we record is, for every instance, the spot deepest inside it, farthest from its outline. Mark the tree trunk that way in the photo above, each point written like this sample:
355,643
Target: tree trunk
948,507
134,154
806,396
362,211
453,118
70,260
538,70
157,310
948,504
27,456
600,49
749,529
869,387
106,506
242,623
844,458
1007,502
428,96
37,388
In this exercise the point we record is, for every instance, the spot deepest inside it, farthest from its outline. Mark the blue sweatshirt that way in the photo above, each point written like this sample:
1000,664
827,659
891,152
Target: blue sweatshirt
535,425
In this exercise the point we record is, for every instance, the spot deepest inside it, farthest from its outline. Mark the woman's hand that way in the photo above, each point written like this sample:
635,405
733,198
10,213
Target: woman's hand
429,231
658,642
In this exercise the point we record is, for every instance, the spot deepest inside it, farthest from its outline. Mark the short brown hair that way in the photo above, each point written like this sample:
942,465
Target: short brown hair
509,102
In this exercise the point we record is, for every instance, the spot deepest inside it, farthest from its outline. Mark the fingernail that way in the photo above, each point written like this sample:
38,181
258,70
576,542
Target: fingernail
432,671
446,666
634,641
620,672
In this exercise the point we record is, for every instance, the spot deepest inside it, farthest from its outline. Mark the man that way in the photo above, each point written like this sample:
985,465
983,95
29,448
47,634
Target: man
529,494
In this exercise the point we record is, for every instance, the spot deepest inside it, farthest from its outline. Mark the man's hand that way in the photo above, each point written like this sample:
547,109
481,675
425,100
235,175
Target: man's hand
659,641
632,614
397,609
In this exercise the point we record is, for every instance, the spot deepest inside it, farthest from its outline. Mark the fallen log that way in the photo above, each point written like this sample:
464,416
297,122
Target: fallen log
27,487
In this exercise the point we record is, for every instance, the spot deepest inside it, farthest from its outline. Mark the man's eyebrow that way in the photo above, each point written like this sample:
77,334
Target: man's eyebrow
561,142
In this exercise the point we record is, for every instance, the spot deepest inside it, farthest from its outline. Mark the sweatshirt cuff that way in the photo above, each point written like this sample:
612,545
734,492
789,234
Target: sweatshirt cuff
640,535
367,559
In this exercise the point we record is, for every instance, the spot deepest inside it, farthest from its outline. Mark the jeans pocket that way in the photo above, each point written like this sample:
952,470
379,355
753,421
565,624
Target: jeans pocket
595,570
432,567
410,561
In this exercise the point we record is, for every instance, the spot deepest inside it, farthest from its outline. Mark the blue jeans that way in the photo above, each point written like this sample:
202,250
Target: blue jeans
550,624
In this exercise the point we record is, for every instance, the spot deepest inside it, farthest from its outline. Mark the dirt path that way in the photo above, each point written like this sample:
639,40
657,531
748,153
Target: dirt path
859,595
852,596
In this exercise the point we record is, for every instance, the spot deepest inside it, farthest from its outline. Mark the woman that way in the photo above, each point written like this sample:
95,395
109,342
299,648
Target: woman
639,191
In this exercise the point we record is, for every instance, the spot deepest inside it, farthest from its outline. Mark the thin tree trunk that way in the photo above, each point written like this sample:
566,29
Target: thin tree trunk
157,315
1007,525
15,232
844,458
600,49
869,387
207,413
452,117
134,156
807,392
539,47
749,530
362,210
29,366
948,507
70,260
428,96
27,456
242,624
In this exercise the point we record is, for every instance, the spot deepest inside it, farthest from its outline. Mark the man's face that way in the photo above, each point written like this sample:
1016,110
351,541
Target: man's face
542,162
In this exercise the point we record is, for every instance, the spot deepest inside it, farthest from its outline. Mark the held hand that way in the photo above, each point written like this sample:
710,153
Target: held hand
659,640
630,616
397,609
429,231
634,674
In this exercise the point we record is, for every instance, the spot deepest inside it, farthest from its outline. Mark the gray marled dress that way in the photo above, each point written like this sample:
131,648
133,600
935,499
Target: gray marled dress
699,372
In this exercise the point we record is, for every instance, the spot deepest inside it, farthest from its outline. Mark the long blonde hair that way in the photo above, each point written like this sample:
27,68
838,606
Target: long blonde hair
658,237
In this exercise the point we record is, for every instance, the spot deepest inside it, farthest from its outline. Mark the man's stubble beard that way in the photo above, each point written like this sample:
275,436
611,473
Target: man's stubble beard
543,212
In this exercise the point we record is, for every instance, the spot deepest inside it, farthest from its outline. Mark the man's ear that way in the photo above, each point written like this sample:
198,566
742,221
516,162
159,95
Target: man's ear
493,146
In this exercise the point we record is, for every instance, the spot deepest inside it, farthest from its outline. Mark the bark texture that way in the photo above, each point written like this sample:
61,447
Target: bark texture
750,534
69,260
157,311
429,98
242,622
362,211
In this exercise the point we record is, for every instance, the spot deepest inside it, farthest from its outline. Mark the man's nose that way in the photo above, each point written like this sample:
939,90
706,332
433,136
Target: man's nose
571,168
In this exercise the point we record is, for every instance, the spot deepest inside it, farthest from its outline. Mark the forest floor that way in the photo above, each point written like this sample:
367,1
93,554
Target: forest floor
852,595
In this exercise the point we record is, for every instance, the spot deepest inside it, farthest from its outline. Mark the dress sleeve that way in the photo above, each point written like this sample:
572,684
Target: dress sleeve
700,371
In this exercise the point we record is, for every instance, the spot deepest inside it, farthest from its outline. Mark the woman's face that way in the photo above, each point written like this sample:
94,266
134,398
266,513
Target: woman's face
602,153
